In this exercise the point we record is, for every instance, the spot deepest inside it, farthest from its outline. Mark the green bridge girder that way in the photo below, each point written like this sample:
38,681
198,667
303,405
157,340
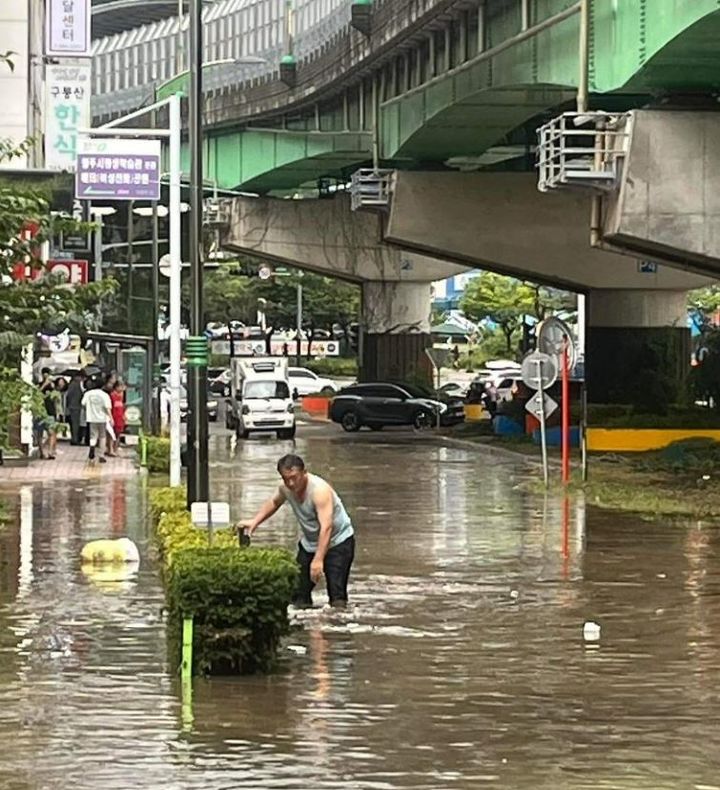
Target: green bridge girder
638,48
262,160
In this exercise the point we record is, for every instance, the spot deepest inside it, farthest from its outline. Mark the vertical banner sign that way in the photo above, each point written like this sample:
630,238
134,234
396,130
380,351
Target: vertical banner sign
67,109
118,169
67,29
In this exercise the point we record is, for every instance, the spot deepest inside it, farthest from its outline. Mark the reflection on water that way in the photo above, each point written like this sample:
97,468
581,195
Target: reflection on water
460,663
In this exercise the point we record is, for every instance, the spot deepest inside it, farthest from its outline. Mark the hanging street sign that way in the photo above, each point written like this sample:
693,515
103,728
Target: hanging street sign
538,365
67,29
533,405
67,109
118,169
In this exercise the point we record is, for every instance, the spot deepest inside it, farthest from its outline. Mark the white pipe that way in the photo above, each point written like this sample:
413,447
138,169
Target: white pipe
584,57
581,319
175,290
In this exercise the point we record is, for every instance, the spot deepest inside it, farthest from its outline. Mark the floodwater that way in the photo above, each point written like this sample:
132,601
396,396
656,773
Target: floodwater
461,663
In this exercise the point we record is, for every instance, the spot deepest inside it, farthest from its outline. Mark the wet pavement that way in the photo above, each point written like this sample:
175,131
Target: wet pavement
461,663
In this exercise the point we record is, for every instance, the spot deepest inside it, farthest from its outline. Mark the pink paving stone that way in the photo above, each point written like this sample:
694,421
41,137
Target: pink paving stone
72,464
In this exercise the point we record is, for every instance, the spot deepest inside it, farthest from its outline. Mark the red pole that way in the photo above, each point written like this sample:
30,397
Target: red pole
565,415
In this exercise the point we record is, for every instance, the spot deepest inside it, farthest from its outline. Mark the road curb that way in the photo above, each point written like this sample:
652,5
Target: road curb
505,452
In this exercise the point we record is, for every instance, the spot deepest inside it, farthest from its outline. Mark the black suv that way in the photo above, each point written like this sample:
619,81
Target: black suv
379,404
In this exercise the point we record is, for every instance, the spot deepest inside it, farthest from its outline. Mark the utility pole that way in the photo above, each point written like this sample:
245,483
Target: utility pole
196,346
153,350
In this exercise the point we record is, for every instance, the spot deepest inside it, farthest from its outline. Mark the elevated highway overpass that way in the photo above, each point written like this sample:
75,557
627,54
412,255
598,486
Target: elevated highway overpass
448,94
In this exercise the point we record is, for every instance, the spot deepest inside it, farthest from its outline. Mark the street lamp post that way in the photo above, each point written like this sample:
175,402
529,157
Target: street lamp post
198,479
172,134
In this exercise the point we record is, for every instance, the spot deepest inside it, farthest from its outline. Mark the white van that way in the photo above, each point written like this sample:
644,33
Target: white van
260,399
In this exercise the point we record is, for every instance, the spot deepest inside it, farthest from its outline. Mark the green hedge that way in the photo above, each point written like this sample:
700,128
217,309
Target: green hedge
167,500
333,366
238,597
617,416
158,453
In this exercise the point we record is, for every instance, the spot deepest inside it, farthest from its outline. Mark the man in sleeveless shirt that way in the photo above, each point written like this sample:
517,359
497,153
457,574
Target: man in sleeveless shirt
327,540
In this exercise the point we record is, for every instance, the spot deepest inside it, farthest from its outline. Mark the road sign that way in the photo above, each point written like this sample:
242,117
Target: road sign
539,365
552,334
265,272
118,169
533,405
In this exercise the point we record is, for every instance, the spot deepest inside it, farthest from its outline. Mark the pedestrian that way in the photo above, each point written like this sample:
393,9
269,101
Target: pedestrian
98,411
73,407
49,423
108,385
117,399
327,537
61,387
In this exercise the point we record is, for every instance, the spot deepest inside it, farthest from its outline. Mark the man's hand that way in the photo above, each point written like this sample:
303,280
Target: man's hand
316,570
247,526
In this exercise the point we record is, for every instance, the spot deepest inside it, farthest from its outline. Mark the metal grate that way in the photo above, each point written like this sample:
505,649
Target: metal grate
582,150
371,188
216,213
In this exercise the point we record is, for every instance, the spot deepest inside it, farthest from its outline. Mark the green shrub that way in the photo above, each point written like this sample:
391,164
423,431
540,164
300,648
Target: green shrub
238,599
167,500
689,456
334,366
158,454
175,532
616,416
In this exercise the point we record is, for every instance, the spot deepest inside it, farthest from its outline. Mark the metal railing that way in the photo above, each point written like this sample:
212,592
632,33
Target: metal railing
582,151
128,65
371,189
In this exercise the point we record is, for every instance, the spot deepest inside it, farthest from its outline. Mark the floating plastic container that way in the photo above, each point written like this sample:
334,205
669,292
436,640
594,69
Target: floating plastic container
591,632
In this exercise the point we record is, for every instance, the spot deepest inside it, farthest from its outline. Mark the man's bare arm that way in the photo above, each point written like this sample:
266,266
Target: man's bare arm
323,500
267,509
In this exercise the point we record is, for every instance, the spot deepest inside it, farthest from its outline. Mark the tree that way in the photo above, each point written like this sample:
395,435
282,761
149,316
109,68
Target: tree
325,302
28,307
703,304
505,301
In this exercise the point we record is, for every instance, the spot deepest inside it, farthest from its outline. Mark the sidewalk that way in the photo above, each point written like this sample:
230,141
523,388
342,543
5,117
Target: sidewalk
71,463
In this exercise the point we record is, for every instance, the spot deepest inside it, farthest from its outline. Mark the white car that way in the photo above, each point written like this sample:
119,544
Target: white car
305,382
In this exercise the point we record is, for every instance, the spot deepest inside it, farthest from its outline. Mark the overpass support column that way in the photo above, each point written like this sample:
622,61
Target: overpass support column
396,331
638,348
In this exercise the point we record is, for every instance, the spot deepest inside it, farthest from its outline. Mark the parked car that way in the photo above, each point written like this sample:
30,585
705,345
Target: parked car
304,382
212,406
379,404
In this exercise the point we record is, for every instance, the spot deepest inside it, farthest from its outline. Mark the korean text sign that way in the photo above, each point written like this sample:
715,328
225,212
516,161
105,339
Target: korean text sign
67,109
118,169
67,32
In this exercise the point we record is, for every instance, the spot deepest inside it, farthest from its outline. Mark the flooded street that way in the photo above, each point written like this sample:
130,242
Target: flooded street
460,663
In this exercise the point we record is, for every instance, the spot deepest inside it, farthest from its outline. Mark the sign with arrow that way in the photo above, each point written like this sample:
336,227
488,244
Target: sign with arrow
117,169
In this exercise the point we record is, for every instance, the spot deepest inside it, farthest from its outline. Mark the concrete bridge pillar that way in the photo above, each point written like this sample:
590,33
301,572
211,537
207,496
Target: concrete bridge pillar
638,347
325,236
396,331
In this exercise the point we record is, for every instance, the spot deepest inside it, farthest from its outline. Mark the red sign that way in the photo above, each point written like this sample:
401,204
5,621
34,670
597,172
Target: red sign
73,272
